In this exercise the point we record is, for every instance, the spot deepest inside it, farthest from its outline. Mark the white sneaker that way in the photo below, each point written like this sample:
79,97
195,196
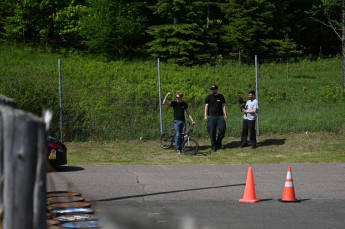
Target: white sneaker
178,151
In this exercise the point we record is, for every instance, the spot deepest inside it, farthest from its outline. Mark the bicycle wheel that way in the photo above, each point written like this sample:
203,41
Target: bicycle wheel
190,146
166,141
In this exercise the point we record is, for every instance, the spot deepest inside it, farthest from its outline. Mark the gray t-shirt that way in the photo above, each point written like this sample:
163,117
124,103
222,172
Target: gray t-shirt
250,105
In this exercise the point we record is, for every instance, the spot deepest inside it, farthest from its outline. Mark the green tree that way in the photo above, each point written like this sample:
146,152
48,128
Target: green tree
28,21
67,24
113,27
41,21
6,10
306,33
252,29
331,13
181,35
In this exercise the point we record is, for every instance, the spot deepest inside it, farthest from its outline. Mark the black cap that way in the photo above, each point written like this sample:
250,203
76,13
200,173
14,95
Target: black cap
214,87
179,95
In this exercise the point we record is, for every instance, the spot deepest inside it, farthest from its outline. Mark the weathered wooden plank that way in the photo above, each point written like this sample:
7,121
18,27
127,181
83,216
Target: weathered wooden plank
1,172
40,189
24,177
1,162
7,101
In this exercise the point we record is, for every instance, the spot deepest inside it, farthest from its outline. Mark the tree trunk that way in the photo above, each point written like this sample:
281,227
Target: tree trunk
208,15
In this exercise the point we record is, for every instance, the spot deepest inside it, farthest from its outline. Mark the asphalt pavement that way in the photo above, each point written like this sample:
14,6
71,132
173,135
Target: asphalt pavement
207,196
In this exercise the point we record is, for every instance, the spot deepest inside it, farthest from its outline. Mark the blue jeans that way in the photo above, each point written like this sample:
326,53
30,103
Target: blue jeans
180,129
216,123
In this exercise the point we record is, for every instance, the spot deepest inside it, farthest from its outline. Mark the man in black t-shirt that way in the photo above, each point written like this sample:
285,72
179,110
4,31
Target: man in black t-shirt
215,116
179,107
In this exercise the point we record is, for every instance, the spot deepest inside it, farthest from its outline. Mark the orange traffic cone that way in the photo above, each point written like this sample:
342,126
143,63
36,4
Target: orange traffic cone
249,195
289,191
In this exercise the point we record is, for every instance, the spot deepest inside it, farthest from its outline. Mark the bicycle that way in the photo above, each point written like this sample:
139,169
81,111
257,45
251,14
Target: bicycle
189,145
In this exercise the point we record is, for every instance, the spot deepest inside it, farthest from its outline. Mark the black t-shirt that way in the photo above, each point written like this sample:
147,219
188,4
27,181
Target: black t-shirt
179,109
215,104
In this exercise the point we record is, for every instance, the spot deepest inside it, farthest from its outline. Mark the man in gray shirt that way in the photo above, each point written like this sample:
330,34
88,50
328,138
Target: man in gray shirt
249,118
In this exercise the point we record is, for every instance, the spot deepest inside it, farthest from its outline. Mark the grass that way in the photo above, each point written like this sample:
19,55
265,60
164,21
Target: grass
119,99
314,147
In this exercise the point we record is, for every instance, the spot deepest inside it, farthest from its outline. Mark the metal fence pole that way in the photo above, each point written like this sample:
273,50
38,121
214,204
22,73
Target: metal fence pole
60,100
160,97
257,93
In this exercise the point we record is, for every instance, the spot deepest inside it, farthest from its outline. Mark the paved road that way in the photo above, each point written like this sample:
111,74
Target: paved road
206,196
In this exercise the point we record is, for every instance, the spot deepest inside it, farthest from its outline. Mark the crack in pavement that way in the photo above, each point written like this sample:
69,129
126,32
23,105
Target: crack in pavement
138,182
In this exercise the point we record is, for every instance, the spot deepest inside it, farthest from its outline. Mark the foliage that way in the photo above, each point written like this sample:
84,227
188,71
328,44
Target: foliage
182,39
112,27
32,20
332,93
67,23
334,12
177,43
119,99
328,13
47,22
218,28
251,30
329,8
176,11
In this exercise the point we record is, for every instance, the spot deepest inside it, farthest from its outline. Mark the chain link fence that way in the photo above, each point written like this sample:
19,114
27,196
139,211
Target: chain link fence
120,99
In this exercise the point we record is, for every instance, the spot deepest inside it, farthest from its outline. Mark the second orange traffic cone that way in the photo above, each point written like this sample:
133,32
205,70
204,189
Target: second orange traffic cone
289,190
249,195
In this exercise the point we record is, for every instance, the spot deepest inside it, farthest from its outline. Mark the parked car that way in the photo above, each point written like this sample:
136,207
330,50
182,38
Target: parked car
57,152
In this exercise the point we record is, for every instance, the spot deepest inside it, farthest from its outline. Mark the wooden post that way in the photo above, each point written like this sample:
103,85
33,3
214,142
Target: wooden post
40,189
24,153
1,173
7,101
12,103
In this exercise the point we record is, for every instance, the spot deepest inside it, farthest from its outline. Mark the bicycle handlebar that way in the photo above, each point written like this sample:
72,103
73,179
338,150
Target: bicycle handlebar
189,124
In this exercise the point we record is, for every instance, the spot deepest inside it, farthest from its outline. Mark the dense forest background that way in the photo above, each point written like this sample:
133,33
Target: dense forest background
108,51
179,31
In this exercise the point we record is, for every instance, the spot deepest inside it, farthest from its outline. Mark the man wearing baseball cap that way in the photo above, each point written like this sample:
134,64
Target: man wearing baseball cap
215,116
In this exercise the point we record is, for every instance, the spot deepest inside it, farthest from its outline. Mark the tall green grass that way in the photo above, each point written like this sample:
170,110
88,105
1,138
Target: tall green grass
119,99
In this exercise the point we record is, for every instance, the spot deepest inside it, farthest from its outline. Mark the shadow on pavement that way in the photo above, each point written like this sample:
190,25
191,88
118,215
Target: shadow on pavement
67,168
169,192
296,201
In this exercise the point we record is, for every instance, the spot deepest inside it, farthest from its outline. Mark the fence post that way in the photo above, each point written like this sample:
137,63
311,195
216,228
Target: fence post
12,103
160,96
257,93
40,188
60,100
7,101
23,136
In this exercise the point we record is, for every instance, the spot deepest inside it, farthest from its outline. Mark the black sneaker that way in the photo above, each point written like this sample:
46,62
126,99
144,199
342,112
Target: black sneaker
243,145
219,146
253,146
